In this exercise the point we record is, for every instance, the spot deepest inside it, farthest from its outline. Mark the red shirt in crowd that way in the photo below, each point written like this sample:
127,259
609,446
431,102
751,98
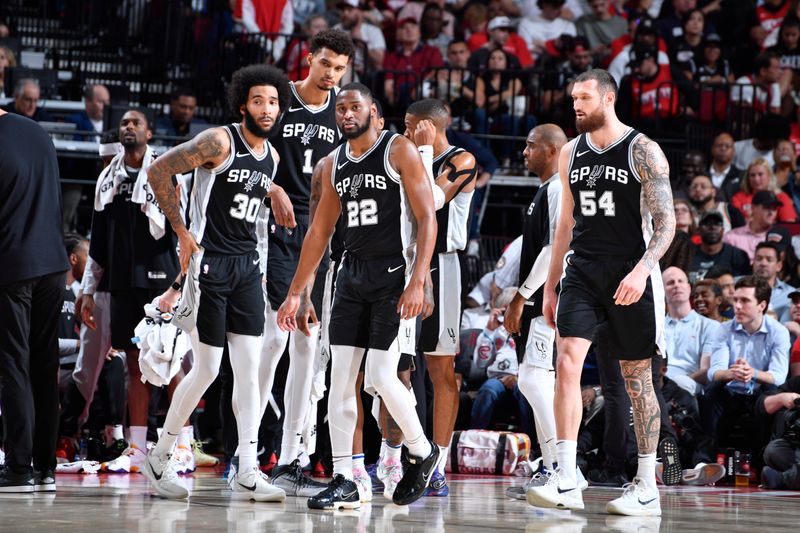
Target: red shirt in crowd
422,59
786,213
658,95
515,45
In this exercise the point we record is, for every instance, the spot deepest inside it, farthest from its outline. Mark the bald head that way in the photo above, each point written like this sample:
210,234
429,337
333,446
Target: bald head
550,135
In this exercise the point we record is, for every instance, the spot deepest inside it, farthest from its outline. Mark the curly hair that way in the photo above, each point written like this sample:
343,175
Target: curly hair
336,41
253,76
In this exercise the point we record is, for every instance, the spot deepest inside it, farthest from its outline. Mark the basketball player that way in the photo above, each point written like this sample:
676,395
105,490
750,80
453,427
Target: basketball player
454,172
616,199
379,186
233,170
307,132
524,314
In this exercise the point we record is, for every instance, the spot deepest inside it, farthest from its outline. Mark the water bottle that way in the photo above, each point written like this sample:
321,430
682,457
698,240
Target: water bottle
82,451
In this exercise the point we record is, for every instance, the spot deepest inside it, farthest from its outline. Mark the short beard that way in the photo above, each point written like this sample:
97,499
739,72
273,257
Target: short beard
361,130
591,123
253,127
701,202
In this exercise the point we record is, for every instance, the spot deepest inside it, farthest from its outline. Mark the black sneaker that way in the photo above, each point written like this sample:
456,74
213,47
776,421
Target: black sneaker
341,493
668,453
416,477
602,477
294,482
44,481
13,482
114,450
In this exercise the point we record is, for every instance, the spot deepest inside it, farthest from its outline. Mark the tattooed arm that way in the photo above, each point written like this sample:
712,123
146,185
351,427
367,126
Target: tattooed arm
208,149
653,169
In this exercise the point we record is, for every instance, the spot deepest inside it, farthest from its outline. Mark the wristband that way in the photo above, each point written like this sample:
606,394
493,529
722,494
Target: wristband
176,286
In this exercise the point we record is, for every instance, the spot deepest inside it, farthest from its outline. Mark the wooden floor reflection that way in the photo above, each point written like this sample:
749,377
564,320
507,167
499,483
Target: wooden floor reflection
110,503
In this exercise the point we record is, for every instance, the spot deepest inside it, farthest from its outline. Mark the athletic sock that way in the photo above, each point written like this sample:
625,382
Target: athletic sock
442,463
393,452
384,446
567,458
139,437
647,469
419,446
358,461
343,466
186,437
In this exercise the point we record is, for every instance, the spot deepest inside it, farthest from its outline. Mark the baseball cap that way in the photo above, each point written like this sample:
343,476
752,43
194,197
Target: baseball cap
766,199
500,22
711,216
713,38
794,295
780,236
646,25
641,52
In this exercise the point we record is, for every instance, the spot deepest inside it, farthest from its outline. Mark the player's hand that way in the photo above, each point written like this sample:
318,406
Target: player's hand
306,314
187,246
169,300
87,311
425,133
429,304
549,301
78,305
509,381
632,286
513,314
411,301
287,313
282,209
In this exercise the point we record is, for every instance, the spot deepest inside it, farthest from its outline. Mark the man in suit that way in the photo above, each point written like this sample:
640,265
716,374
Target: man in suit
95,98
26,100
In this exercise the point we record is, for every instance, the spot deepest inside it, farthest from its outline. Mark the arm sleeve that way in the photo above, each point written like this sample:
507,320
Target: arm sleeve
779,358
426,152
538,274
92,274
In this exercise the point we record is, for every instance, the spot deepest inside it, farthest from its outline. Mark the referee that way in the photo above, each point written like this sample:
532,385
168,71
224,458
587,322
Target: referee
31,294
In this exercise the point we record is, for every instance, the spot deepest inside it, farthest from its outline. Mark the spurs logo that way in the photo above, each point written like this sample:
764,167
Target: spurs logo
541,347
452,334
355,184
309,133
255,177
408,334
596,173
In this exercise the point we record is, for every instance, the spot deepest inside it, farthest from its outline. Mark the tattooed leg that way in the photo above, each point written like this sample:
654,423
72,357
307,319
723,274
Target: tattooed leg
646,412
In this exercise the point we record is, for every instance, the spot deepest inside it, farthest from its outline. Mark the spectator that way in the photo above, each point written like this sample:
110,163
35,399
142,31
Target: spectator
712,252
411,55
572,10
724,278
26,101
416,9
670,23
182,107
265,16
770,14
782,454
785,168
690,44
305,9
352,21
793,325
761,90
433,23
708,66
684,216
456,85
766,133
499,33
703,196
760,226
474,22
559,84
646,37
766,266
725,175
693,163
689,336
32,284
7,60
548,25
751,355
788,47
647,92
707,298
296,57
95,99
600,28
759,178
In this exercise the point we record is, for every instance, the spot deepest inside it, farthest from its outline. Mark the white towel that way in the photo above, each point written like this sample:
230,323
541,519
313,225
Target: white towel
114,174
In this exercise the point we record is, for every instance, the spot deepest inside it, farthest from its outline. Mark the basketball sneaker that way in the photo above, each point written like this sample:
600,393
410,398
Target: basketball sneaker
131,460
364,484
554,495
671,463
341,493
230,474
416,477
184,460
10,481
114,450
292,480
538,479
438,485
44,481
254,485
389,472
163,478
201,458
637,500
703,474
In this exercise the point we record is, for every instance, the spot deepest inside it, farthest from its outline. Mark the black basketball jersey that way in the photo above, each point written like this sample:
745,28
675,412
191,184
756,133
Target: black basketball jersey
610,217
452,218
226,200
376,215
304,136
538,231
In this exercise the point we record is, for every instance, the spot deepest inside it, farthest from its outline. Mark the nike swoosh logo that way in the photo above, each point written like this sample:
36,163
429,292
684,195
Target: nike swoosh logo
560,491
172,434
293,109
349,494
394,269
426,477
256,261
526,286
434,268
339,167
252,489
578,154
242,155
648,501
253,442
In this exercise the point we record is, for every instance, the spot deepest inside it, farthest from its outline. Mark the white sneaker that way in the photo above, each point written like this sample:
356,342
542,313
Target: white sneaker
254,485
364,484
131,460
582,483
161,473
390,472
552,495
637,499
184,460
703,474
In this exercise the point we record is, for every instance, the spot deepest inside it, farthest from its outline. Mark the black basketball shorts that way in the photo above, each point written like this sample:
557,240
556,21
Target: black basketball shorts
364,312
440,331
283,255
587,302
127,310
231,297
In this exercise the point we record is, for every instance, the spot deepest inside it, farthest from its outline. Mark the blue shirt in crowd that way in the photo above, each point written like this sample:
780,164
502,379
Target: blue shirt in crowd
688,339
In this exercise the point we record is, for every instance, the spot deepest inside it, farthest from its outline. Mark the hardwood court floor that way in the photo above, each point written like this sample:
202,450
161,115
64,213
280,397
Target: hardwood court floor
111,503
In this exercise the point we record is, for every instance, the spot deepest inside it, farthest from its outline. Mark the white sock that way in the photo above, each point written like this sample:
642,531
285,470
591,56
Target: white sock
345,361
567,457
248,455
382,367
205,368
358,461
245,351
186,437
647,469
139,437
442,463
297,398
393,452
384,446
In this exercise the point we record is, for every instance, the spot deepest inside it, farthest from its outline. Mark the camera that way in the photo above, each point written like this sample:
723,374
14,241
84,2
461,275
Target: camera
682,418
